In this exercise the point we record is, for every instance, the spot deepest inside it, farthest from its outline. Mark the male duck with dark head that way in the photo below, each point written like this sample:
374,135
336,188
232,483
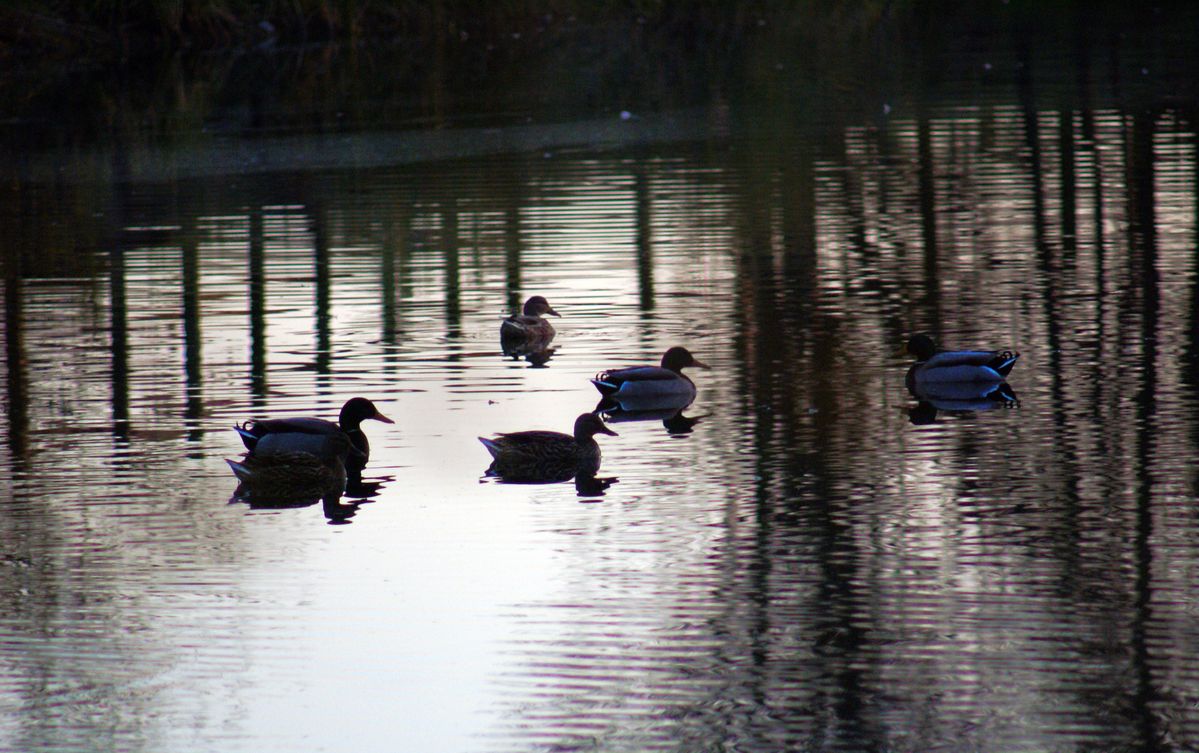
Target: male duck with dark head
275,435
539,454
651,381
934,365
530,324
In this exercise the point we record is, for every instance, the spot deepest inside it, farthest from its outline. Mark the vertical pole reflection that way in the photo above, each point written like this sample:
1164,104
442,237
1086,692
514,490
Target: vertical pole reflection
191,329
14,357
799,235
1069,180
1144,244
928,215
119,341
387,273
257,253
644,241
320,249
453,291
1191,351
512,255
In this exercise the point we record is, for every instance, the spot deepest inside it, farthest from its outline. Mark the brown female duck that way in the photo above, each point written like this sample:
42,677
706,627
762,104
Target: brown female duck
530,324
548,455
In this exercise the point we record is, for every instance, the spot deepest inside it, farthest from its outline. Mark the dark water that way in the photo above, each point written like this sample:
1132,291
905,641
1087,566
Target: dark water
813,562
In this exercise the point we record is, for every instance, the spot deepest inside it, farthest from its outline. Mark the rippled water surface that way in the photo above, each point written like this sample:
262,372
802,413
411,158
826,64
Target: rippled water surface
807,558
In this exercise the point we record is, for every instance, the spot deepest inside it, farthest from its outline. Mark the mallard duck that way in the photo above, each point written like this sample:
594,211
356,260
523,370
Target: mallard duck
934,365
529,325
548,455
294,434
666,382
283,476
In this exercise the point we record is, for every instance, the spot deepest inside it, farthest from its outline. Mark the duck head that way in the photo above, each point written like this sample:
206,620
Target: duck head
922,346
359,409
588,425
678,358
538,306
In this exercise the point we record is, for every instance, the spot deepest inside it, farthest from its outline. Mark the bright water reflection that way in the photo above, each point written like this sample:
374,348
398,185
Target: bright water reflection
802,563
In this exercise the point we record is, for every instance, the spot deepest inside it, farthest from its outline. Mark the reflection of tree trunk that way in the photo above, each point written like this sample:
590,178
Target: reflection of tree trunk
1191,350
1143,244
928,220
119,342
393,236
192,361
1069,208
14,356
257,308
453,289
798,186
320,243
513,251
644,241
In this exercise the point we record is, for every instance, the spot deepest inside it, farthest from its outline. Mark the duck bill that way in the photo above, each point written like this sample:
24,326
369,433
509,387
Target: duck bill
699,364
608,431
901,351
380,417
555,313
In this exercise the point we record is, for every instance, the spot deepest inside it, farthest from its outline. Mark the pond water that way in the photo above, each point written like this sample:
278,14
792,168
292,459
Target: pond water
813,561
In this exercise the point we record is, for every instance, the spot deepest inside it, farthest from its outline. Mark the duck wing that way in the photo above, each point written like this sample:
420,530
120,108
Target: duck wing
540,443
967,366
299,425
611,381
325,447
524,326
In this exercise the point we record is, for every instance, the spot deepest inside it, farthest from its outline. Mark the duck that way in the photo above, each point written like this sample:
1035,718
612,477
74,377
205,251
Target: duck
530,324
665,382
935,366
541,455
282,435
291,475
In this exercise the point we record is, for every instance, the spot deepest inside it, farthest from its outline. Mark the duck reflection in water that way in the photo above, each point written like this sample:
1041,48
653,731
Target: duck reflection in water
959,398
528,334
546,457
281,475
669,412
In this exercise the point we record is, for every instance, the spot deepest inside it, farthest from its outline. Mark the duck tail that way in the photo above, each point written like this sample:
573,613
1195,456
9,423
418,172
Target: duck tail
1004,394
240,470
603,385
492,446
248,438
1008,360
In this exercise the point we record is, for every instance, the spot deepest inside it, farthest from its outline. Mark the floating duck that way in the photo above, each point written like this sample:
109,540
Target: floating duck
547,455
529,325
286,435
960,366
649,384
